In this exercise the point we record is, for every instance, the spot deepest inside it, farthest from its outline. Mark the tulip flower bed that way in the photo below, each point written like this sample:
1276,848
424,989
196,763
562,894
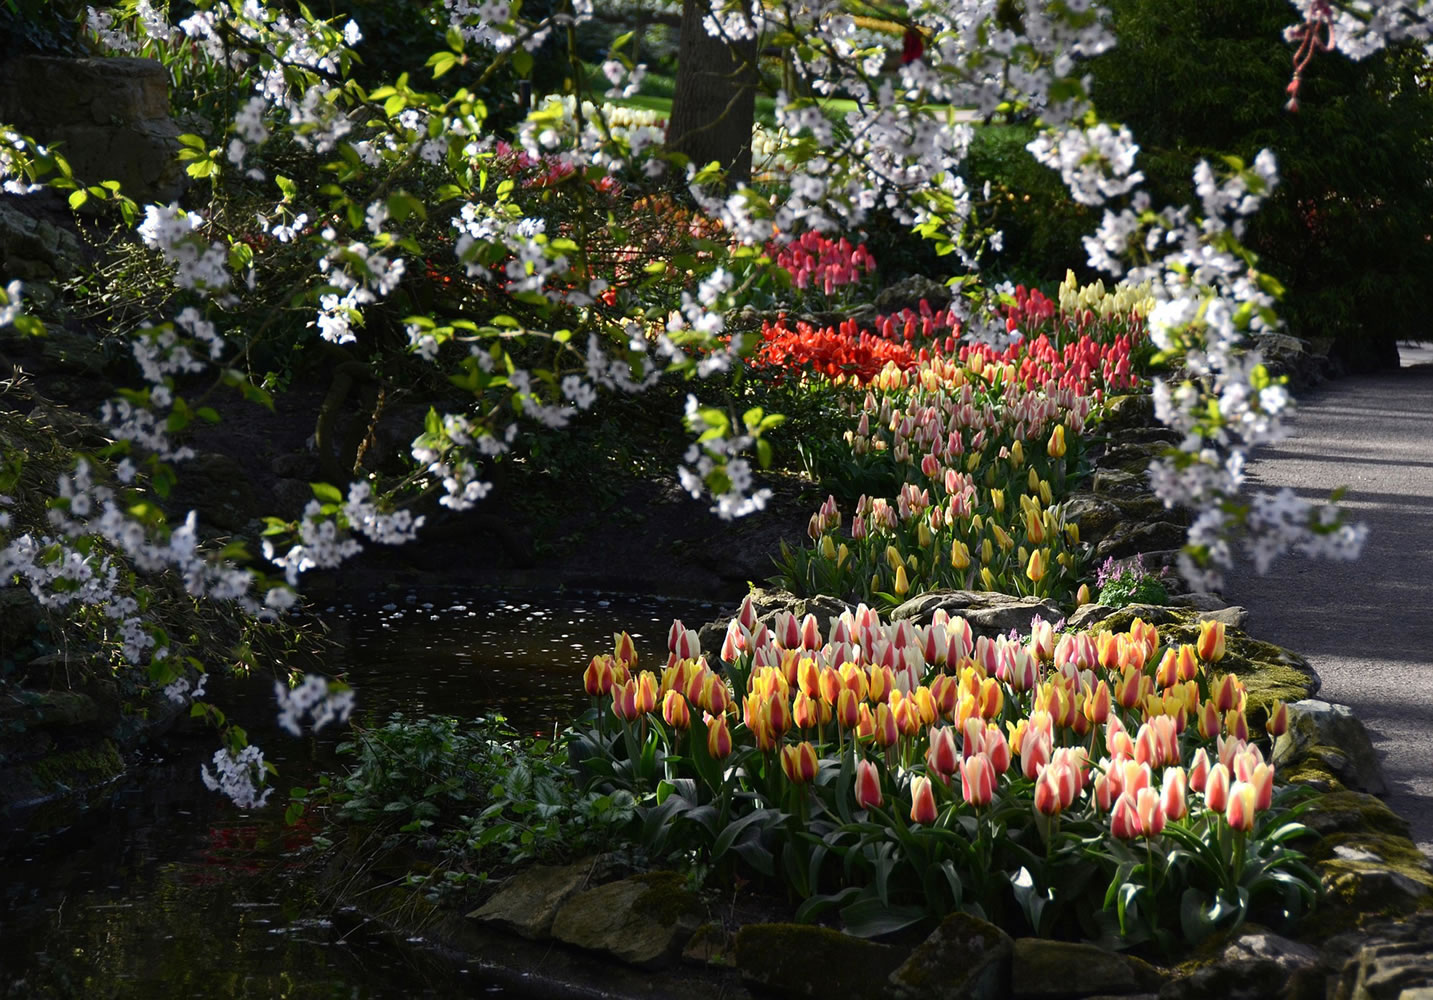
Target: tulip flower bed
989,459
1071,784
982,440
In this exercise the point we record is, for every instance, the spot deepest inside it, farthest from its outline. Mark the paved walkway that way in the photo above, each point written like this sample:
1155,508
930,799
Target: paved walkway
1366,626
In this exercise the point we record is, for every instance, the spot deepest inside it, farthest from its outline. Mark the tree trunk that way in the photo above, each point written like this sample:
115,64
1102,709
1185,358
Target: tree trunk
714,104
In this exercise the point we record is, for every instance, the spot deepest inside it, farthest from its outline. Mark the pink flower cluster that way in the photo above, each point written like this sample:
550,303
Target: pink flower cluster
829,264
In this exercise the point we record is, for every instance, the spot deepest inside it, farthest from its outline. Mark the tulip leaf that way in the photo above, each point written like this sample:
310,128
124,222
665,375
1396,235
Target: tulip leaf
733,829
757,856
871,918
813,907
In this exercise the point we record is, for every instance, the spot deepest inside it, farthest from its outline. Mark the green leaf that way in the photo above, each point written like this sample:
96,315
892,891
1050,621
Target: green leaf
326,492
78,197
872,918
522,62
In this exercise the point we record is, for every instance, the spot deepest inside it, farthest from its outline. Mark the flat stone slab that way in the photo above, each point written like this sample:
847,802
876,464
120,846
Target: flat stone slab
643,920
531,899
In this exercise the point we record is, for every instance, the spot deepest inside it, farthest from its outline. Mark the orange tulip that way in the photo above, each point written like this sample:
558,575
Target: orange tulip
805,712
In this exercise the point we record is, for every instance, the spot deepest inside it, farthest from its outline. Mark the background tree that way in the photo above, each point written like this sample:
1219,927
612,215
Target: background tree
1347,230
714,105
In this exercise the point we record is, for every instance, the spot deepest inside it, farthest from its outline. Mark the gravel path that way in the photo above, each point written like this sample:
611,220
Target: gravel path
1366,626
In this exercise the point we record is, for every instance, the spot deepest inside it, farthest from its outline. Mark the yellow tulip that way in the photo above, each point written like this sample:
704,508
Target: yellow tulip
1017,454
1036,569
828,547
1055,447
959,555
903,585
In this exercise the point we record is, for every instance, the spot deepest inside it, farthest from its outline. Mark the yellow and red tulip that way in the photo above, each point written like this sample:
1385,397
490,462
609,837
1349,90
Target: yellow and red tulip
799,763
977,780
1242,806
718,737
1211,644
675,711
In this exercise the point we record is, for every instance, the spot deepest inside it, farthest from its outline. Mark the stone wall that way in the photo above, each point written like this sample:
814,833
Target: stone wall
108,117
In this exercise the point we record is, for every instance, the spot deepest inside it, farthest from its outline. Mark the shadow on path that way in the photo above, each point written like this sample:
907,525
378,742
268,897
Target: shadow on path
1366,626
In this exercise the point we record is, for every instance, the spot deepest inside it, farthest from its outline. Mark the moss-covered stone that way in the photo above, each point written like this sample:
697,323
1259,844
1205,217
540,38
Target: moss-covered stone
76,770
643,920
1332,736
1353,812
710,944
802,960
1057,969
530,900
965,958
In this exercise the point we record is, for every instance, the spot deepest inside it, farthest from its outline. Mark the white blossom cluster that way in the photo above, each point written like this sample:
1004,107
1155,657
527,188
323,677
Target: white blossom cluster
703,460
199,266
315,699
359,276
234,775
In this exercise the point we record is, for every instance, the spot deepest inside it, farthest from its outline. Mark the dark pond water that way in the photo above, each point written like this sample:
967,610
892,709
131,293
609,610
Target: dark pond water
168,891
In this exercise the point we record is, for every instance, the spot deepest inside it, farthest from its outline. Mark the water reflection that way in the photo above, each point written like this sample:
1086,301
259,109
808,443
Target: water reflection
168,891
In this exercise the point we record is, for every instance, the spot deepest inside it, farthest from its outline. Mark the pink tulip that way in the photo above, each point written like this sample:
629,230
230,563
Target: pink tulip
942,758
1216,788
923,808
1242,806
977,780
868,785
1173,797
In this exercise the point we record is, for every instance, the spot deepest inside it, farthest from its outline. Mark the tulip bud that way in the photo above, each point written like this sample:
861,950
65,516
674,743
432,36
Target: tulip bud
923,808
1278,723
675,711
846,709
624,701
1082,596
1173,796
868,785
597,678
1036,568
1150,812
646,697
624,650
1047,792
885,731
1124,818
902,585
1055,447
718,738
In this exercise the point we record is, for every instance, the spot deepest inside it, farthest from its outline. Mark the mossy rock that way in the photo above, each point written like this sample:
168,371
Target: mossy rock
710,944
77,770
644,920
1130,411
802,960
1058,969
1130,538
965,958
1353,812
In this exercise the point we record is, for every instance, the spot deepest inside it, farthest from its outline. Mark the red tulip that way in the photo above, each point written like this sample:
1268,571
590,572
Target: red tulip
597,679
1278,723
